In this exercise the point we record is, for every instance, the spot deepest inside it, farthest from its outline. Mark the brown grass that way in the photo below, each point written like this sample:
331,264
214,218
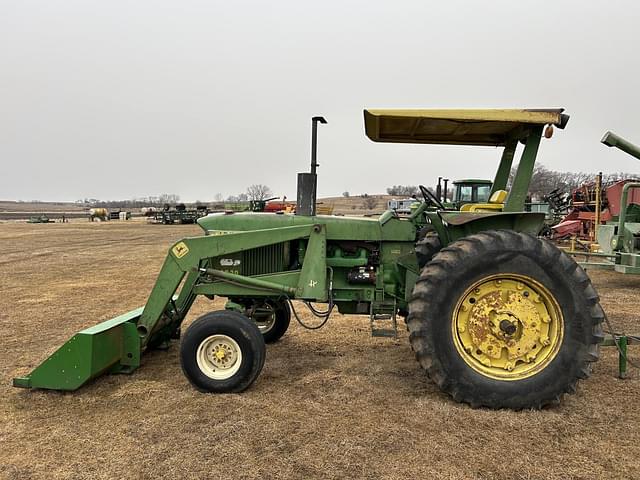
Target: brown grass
355,205
35,207
329,404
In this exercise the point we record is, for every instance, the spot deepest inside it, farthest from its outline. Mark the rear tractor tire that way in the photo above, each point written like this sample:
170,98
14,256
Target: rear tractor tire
503,319
427,246
222,352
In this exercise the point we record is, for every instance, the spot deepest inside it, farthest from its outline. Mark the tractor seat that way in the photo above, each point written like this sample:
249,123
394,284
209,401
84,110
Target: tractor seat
496,203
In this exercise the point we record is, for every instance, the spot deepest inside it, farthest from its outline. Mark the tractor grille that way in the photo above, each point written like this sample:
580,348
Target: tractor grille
269,259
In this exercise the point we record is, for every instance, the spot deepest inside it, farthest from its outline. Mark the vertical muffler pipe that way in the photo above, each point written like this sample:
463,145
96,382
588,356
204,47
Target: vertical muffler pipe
308,182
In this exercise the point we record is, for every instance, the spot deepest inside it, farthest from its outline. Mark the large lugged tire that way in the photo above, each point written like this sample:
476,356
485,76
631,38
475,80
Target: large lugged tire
505,320
222,352
427,246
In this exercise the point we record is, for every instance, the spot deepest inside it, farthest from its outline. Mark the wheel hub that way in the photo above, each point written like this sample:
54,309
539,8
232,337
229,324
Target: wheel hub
507,326
264,317
222,354
219,357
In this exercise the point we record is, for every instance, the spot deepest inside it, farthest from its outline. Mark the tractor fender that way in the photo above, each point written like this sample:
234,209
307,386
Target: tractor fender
462,224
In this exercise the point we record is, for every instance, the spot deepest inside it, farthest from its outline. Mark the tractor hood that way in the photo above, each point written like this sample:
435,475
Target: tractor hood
338,228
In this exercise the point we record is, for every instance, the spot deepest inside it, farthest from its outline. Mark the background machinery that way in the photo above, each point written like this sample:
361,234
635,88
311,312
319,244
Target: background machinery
619,238
590,205
178,214
40,219
496,316
615,214
98,214
402,206
470,191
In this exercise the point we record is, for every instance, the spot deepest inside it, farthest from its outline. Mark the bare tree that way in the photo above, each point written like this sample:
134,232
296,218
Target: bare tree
168,198
345,194
259,192
544,181
402,190
369,202
241,197
218,197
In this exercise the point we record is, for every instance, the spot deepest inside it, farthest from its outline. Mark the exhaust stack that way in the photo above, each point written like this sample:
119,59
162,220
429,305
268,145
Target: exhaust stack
308,182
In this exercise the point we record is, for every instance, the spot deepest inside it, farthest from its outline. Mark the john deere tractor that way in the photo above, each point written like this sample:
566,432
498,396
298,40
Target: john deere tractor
496,316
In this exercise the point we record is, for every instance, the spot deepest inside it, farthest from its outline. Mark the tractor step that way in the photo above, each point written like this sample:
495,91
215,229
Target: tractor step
380,312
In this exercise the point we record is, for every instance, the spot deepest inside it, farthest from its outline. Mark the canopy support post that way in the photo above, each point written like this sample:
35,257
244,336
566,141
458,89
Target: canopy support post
504,169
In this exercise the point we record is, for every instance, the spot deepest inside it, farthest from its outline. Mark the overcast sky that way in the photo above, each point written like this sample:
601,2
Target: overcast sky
120,99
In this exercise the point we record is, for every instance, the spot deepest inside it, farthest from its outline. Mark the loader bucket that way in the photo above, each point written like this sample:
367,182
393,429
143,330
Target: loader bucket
112,346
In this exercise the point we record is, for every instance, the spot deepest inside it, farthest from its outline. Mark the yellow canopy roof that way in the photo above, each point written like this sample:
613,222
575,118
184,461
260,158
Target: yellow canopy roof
457,127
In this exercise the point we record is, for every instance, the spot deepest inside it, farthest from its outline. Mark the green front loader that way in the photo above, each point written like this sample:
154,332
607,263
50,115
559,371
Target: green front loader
496,317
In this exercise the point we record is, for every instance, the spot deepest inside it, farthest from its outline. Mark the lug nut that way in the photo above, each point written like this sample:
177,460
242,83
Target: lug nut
507,327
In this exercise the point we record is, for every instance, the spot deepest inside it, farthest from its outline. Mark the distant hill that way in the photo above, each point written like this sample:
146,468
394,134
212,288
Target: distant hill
357,205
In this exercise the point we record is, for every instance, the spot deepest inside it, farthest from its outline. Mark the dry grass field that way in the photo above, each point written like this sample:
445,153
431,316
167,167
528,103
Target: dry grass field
32,207
23,210
334,403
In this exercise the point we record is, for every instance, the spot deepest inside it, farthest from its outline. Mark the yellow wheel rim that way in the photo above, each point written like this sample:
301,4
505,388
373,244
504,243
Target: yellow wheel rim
507,326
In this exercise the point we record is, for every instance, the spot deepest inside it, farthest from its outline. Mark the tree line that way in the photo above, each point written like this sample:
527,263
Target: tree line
253,192
543,182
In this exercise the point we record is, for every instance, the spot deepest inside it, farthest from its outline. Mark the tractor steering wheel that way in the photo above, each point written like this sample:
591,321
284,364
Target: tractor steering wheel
430,197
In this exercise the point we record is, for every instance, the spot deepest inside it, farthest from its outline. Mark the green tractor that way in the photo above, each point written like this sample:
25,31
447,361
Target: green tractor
470,191
496,316
465,192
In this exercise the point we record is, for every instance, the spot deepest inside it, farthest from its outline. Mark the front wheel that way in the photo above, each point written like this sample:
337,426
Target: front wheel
222,352
505,320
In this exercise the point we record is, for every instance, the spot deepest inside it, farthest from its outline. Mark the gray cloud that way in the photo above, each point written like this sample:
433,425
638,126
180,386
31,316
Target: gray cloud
121,99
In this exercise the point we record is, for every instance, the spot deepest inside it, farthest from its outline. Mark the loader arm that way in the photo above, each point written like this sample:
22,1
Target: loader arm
116,345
